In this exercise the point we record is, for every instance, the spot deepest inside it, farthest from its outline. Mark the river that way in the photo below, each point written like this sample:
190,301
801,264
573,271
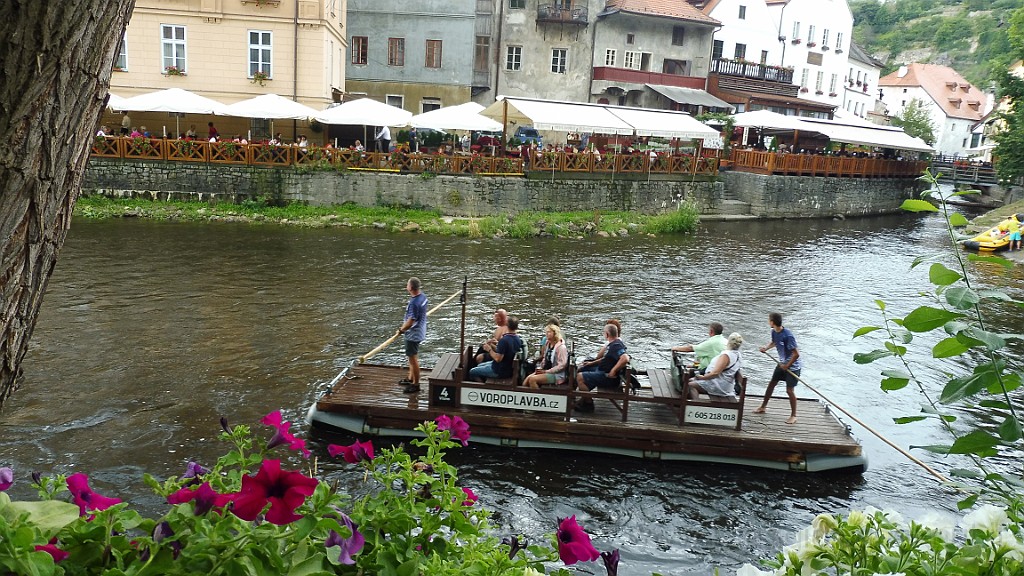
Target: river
151,331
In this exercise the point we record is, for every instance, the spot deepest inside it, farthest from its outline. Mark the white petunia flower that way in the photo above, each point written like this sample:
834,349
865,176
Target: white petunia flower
531,572
1007,543
751,570
822,525
941,523
988,518
894,517
857,518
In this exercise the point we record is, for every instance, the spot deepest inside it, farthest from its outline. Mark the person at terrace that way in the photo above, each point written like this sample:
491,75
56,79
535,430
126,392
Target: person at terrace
102,131
607,375
302,143
135,133
707,350
358,147
555,360
720,378
213,132
501,327
126,124
501,356
191,132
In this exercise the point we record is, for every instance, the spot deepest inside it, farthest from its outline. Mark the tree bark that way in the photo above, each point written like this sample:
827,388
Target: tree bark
56,58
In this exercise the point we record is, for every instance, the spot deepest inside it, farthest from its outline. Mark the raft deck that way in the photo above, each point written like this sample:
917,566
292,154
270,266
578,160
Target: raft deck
367,400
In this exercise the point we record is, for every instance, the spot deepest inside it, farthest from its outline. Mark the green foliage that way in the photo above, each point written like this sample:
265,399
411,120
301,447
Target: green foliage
915,120
682,220
1010,139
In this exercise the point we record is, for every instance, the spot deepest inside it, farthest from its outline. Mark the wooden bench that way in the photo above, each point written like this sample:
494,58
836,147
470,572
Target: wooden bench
446,366
619,397
667,387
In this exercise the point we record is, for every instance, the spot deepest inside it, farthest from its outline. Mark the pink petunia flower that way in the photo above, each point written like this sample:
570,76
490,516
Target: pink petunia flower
353,454
283,491
85,498
457,428
283,436
205,497
347,546
574,544
471,498
6,478
52,550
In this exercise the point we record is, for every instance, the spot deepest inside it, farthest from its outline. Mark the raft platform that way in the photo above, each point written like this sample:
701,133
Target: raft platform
652,423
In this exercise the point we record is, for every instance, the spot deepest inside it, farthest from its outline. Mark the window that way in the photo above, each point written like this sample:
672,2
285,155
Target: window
678,35
359,49
433,59
514,58
676,67
396,51
482,58
832,84
743,12
741,51
609,57
764,56
820,81
396,101
122,55
429,104
630,39
260,50
803,78
172,39
839,40
517,4
796,30
558,56
717,49
632,60
824,37
810,33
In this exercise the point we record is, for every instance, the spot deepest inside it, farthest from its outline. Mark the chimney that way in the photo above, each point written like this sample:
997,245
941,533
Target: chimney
990,100
902,72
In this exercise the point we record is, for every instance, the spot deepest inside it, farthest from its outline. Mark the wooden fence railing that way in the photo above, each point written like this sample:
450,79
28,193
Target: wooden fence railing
762,162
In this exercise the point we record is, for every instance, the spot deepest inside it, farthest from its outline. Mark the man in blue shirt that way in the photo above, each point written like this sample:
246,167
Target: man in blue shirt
415,330
501,355
607,373
788,365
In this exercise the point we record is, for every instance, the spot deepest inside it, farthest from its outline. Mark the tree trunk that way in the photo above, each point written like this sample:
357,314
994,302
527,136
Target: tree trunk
55,62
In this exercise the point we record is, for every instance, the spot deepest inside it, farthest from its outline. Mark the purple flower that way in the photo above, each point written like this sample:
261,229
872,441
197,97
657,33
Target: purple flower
611,562
37,478
573,543
224,424
514,545
6,478
163,530
283,436
52,550
194,472
85,498
283,491
470,497
206,498
348,546
456,427
354,454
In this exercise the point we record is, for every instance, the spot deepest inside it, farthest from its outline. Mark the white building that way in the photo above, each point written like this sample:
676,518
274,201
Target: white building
861,90
954,105
815,38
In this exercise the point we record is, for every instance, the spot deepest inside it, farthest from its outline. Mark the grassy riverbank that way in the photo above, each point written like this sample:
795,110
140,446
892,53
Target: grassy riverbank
525,225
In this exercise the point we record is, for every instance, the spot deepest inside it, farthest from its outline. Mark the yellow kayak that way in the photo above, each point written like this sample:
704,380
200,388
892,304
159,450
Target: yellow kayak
997,237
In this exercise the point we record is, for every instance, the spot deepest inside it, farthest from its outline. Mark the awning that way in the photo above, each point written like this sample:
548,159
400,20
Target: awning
663,123
558,116
880,136
692,96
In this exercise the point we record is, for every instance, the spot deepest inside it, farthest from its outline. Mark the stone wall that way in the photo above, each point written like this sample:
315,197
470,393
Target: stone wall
768,196
815,196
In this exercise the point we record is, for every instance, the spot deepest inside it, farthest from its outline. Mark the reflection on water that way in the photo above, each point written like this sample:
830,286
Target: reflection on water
151,331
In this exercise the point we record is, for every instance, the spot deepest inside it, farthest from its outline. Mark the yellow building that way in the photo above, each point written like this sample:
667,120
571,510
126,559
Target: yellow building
232,50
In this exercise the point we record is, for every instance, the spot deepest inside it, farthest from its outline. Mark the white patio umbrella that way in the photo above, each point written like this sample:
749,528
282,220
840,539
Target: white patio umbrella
270,106
461,117
770,120
364,111
173,100
114,101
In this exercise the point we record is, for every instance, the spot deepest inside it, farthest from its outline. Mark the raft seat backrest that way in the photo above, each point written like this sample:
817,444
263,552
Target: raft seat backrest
718,403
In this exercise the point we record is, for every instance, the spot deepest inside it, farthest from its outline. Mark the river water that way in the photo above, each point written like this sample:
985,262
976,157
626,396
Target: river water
151,331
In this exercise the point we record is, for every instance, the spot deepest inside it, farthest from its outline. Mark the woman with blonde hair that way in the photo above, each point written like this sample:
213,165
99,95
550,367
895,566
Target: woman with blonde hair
720,377
551,368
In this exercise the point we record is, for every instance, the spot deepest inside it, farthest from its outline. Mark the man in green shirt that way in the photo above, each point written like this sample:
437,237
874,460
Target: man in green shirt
707,350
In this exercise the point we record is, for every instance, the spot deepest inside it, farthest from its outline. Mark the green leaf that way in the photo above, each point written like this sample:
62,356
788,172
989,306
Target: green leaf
880,304
966,192
869,357
928,258
1010,382
50,516
1010,430
889,384
948,418
999,404
965,473
957,220
942,276
991,340
896,350
949,347
927,318
936,448
895,374
978,442
962,297
909,419
991,260
918,206
953,328
865,330
994,295
967,502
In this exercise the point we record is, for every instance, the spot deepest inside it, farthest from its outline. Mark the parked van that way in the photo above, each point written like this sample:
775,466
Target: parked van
528,134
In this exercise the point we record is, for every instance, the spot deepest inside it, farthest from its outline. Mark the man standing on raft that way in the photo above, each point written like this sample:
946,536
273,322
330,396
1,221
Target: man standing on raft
415,330
787,366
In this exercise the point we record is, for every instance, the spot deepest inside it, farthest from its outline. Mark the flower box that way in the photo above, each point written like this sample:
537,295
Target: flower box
865,87
174,71
260,78
812,44
819,92
825,48
804,90
832,94
795,41
839,50
261,3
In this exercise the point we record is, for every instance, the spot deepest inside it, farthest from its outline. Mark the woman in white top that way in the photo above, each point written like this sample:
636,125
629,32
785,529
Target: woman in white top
720,376
554,360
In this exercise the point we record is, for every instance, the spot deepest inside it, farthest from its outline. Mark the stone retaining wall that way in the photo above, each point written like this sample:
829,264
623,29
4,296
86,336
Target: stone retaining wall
768,196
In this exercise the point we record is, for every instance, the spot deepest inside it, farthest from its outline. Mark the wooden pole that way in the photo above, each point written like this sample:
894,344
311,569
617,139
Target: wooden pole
865,426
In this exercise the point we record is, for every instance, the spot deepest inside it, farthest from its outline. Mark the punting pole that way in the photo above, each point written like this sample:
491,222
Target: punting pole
462,329
388,342
865,426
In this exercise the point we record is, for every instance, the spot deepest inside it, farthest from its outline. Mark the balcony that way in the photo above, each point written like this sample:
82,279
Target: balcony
562,14
753,70
627,75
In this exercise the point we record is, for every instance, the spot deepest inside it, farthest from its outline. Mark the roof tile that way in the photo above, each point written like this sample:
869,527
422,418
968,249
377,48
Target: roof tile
678,9
945,85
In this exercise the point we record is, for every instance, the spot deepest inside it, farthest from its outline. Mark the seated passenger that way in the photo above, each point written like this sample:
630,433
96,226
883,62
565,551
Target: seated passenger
500,320
720,379
607,373
707,350
501,355
591,364
555,359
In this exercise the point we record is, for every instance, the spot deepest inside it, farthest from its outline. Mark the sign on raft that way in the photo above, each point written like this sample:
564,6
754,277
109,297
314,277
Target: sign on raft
712,416
512,399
